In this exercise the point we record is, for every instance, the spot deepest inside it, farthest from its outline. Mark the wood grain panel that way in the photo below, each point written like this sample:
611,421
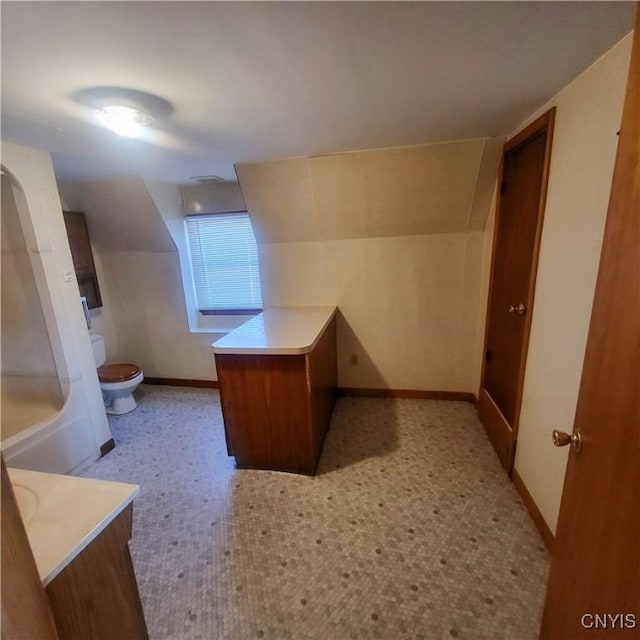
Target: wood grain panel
497,428
120,372
277,408
25,610
266,411
322,372
96,596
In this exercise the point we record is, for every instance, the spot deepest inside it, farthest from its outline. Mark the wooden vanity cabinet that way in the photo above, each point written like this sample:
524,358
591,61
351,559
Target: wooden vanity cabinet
96,595
82,254
25,610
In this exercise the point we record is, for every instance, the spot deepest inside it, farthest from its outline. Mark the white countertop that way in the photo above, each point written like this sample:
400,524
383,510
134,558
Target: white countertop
63,514
278,331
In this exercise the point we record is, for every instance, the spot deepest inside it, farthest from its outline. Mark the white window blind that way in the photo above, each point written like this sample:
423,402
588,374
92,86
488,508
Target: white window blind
224,261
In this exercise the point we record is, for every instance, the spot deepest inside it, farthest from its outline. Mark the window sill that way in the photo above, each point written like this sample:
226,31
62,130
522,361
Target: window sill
221,332
230,312
219,324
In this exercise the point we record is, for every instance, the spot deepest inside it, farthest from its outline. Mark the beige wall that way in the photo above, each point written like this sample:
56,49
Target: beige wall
402,302
26,347
411,307
102,318
144,294
143,318
395,239
402,191
407,282
96,200
587,119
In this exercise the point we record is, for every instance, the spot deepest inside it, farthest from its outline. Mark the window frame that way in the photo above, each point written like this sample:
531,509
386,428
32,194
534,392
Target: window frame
239,311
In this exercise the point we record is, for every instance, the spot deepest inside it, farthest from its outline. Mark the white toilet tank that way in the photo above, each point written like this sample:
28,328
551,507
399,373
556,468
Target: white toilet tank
97,344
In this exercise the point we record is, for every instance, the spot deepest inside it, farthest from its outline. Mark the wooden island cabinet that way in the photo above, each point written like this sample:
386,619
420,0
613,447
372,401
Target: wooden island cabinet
278,377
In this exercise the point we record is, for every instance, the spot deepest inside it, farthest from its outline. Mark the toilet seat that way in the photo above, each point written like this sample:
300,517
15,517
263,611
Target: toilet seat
121,372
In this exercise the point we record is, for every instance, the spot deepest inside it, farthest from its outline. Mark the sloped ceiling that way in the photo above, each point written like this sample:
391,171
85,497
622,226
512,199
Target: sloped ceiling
121,215
402,191
253,81
425,189
212,198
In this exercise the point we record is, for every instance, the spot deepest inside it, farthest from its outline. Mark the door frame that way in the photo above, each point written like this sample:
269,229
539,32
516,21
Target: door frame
503,436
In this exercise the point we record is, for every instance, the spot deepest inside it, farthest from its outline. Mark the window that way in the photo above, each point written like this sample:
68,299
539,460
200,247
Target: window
224,262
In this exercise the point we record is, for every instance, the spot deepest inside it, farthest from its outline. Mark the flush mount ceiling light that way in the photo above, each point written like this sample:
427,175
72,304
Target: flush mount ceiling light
125,121
122,110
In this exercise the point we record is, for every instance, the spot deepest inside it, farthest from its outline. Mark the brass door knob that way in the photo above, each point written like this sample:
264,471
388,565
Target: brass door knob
562,439
519,309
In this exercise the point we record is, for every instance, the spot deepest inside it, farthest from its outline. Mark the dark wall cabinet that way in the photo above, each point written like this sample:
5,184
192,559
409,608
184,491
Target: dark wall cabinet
83,263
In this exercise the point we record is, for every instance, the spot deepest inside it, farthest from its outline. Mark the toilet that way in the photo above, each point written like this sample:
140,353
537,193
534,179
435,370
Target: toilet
117,381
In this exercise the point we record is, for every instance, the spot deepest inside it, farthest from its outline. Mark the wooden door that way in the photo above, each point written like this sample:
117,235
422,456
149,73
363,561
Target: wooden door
525,168
595,569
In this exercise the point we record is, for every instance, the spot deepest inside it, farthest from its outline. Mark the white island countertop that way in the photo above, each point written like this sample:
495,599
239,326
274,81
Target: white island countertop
278,331
63,514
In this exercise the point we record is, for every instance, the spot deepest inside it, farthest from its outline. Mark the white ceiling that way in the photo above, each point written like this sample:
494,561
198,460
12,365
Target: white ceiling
251,81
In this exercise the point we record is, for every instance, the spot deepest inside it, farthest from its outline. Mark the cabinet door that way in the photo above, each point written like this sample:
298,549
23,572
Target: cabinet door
82,255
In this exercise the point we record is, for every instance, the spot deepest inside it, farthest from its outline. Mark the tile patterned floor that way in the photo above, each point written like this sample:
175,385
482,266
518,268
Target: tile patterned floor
409,530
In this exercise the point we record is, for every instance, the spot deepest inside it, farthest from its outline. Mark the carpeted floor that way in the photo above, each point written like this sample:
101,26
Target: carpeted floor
409,530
